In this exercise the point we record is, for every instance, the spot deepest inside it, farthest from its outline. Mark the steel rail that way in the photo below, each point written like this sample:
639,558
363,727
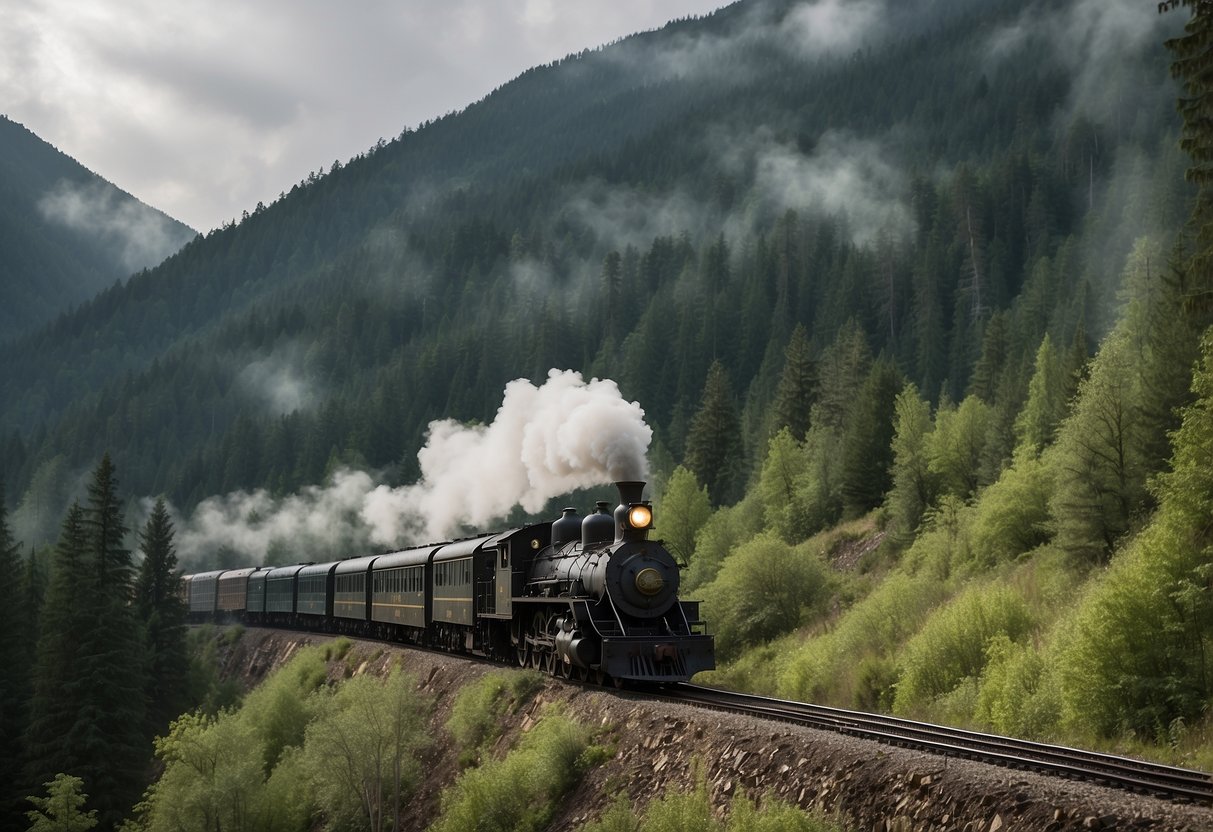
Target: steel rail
1171,782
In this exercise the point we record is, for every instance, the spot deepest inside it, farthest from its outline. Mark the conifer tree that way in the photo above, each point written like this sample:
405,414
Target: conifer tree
914,485
714,445
14,693
1046,406
867,444
797,386
162,613
53,705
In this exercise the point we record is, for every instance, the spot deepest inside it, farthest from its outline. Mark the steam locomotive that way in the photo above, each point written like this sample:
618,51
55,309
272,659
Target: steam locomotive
590,598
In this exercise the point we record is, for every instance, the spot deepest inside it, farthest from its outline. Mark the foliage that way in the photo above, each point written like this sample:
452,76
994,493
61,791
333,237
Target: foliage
60,810
214,778
1019,694
360,752
279,709
518,792
781,487
1012,516
764,589
681,511
955,447
479,707
913,485
1133,657
720,535
826,669
714,441
952,644
162,614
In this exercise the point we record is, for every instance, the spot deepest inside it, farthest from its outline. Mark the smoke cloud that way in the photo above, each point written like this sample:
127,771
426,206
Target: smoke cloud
545,441
140,236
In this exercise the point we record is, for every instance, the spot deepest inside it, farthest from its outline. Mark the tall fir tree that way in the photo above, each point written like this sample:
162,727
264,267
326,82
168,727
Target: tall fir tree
797,386
63,625
162,614
714,446
14,687
868,441
88,710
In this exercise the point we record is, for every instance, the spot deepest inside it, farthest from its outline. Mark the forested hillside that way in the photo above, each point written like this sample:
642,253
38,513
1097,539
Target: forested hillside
915,297
944,183
65,233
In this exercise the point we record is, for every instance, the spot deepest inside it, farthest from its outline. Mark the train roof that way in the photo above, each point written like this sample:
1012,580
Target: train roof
356,564
461,548
318,569
407,557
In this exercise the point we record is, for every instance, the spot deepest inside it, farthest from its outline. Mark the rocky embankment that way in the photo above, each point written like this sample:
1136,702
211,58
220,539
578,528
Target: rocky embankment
662,747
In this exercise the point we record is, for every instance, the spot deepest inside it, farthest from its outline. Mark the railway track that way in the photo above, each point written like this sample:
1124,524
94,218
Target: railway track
1170,782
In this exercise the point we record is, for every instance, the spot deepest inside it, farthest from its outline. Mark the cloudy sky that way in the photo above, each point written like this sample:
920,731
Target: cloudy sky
203,107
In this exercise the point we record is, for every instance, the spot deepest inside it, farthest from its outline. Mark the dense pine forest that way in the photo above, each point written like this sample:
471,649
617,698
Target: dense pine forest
929,283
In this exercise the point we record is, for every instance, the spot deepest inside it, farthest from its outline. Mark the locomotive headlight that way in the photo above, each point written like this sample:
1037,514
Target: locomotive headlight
640,517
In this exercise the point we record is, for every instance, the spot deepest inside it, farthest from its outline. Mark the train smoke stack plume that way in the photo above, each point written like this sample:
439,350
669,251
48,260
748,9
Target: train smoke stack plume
544,441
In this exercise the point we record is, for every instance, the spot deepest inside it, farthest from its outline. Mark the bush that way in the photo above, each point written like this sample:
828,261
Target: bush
952,644
360,752
1018,693
519,792
762,591
1012,515
281,707
824,669
476,715
724,531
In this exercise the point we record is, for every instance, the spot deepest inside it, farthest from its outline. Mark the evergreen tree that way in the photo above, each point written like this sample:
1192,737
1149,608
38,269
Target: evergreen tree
106,529
914,485
867,444
1046,406
88,710
107,737
162,613
714,446
797,386
1193,61
14,689
62,808
64,622
1100,472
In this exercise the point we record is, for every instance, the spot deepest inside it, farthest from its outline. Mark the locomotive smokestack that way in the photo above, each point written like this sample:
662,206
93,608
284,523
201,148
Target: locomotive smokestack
630,492
633,518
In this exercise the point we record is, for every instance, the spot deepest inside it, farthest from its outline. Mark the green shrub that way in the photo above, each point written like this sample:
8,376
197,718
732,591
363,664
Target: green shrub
1012,515
519,792
724,531
952,644
476,715
824,669
360,752
281,707
762,591
1018,693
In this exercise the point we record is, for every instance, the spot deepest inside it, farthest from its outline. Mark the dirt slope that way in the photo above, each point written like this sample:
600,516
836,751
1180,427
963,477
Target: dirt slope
660,745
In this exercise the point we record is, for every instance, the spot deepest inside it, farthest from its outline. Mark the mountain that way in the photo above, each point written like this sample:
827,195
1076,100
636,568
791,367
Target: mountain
923,173
66,233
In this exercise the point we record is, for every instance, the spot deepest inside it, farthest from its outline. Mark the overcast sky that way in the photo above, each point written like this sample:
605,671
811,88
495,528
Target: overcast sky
203,107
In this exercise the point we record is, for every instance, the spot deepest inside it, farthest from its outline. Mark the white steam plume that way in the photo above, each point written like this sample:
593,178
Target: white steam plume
545,441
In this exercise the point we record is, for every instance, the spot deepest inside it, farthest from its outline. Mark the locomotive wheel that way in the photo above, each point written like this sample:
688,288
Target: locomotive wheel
523,651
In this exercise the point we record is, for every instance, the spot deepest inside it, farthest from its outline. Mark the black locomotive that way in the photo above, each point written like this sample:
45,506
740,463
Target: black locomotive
588,598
